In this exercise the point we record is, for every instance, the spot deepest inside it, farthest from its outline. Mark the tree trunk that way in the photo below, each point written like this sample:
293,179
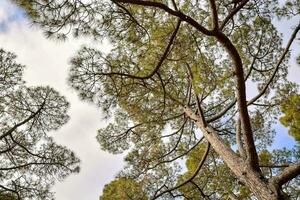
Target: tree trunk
243,171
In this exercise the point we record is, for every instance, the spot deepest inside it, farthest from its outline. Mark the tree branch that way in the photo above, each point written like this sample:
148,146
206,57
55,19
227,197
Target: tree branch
164,7
263,91
23,122
131,16
198,103
189,179
200,190
177,157
160,62
222,112
287,174
232,13
174,5
250,102
275,166
34,163
232,196
214,14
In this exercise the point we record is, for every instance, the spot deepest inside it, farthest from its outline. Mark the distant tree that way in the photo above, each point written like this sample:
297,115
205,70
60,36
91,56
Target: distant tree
123,189
183,66
30,160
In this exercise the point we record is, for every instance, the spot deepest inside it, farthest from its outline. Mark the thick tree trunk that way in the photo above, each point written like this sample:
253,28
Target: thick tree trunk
260,187
243,171
246,174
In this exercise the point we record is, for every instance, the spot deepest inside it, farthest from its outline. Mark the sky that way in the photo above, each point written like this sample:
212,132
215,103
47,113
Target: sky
47,64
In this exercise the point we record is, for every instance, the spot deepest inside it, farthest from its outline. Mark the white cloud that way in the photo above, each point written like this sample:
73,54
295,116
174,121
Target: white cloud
47,64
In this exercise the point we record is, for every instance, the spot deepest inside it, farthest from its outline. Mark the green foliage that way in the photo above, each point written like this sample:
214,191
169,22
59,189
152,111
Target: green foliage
30,159
123,189
28,7
214,181
210,187
273,162
291,119
265,159
8,196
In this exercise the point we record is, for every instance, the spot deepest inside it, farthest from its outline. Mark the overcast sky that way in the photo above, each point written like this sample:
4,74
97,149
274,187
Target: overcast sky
47,64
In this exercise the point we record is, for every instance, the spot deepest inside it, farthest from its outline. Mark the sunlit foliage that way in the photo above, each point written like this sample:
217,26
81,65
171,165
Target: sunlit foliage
291,118
123,188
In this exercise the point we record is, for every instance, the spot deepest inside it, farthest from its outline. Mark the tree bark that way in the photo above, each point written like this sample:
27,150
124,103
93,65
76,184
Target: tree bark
244,172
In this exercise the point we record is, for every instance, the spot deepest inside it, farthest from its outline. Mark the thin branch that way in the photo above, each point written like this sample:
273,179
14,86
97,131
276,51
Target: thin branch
232,13
214,14
262,92
160,62
189,179
177,157
200,190
221,113
174,4
198,102
275,166
23,122
131,16
33,163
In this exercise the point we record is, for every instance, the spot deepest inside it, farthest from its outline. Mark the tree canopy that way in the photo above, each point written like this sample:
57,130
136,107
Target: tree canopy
30,159
211,72
123,188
